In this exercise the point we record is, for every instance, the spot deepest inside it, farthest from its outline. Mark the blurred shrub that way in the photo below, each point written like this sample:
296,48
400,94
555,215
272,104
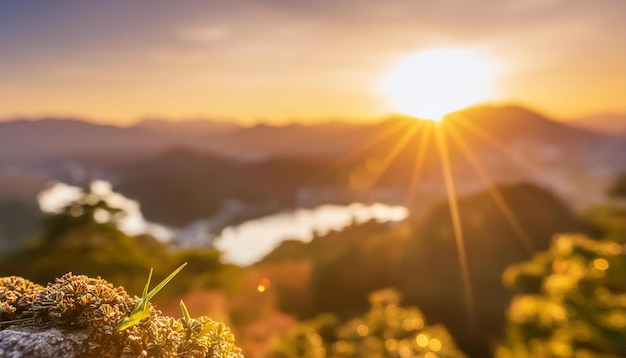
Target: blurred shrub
419,257
386,330
609,221
610,218
618,188
571,301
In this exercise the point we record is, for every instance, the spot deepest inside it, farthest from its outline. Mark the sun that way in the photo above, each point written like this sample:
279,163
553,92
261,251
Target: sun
432,83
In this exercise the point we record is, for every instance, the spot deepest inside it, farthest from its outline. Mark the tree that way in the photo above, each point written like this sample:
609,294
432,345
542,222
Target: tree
571,301
386,330
618,188
91,212
609,218
84,238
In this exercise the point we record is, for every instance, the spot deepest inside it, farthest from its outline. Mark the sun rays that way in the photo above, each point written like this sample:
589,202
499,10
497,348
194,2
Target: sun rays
392,154
440,137
493,191
426,85
455,215
420,157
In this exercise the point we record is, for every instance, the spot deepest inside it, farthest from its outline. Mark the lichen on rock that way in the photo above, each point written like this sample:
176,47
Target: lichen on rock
93,307
16,297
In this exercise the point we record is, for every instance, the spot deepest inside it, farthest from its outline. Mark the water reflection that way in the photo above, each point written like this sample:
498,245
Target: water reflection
241,244
246,243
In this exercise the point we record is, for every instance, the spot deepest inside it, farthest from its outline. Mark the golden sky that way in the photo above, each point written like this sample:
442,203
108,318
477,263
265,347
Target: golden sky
281,60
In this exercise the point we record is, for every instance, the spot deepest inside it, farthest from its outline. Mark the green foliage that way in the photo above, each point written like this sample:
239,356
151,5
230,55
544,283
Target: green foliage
571,301
204,270
90,212
610,220
367,259
433,275
386,330
419,258
289,250
78,239
346,266
308,339
141,309
93,304
200,335
16,218
618,188
111,254
84,238
162,336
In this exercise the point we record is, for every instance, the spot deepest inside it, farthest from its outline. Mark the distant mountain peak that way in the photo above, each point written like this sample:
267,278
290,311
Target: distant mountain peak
506,111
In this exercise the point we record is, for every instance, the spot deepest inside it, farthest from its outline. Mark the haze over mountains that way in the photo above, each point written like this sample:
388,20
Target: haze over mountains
200,165
609,123
22,140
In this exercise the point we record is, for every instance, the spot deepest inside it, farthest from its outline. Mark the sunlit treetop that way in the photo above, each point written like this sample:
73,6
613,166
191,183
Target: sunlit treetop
571,301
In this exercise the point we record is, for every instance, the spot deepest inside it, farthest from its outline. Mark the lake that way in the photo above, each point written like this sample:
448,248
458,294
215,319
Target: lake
242,244
247,243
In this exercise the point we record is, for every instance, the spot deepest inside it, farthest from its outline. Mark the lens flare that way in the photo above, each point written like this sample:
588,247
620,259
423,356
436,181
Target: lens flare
430,84
263,285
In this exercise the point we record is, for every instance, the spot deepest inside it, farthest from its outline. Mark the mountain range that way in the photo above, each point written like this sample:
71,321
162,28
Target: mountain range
181,172
23,140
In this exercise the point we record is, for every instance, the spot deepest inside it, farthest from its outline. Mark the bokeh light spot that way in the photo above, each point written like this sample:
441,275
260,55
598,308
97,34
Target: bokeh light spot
434,344
362,330
601,264
263,285
421,340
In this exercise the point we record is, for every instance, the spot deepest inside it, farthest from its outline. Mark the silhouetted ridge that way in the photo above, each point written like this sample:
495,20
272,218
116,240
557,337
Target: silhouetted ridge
514,121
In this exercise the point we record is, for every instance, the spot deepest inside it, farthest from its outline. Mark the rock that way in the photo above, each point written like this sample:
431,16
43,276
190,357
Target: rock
42,342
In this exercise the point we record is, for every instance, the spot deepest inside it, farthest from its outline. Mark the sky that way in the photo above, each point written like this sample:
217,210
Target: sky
277,61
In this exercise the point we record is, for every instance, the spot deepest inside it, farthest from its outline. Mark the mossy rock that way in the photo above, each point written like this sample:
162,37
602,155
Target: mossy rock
79,316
